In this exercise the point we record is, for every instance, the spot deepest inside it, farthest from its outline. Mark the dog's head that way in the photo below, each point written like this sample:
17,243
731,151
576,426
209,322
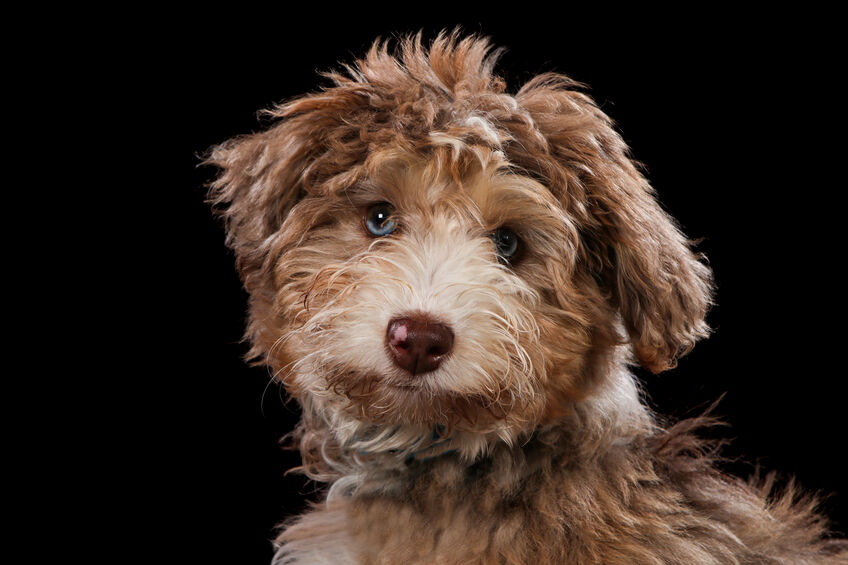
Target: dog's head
423,249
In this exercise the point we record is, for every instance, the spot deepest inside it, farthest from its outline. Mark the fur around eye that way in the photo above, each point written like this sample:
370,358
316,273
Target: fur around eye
378,219
506,243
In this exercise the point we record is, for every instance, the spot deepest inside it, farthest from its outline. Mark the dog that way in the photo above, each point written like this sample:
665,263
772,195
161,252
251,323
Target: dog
454,282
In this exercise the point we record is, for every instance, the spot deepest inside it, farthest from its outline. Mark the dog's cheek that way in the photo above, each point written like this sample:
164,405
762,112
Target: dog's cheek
577,330
309,271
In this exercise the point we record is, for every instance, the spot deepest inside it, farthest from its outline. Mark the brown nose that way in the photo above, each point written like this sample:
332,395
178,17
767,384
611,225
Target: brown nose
418,344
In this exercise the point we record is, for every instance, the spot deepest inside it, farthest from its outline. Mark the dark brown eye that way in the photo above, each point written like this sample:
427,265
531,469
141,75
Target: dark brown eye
506,243
378,219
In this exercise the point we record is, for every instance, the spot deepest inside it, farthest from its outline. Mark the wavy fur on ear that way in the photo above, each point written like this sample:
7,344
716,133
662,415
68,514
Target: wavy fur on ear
310,151
661,287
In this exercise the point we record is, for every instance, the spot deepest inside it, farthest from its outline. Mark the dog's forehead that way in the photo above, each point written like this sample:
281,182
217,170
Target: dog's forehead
475,182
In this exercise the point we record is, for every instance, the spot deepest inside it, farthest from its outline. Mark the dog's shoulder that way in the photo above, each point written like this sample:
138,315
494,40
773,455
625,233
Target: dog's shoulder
657,499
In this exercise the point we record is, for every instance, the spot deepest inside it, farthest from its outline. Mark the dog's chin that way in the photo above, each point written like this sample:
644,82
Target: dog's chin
395,394
422,383
398,398
356,383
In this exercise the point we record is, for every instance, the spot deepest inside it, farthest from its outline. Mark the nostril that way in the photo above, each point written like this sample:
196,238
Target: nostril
398,332
418,343
440,348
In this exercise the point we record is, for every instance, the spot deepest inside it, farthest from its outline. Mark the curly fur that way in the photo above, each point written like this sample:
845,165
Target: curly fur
530,443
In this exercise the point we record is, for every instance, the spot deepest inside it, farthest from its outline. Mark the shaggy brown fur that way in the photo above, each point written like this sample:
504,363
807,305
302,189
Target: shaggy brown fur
528,444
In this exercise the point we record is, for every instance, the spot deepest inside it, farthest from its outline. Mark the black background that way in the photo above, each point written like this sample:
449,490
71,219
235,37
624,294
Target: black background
731,115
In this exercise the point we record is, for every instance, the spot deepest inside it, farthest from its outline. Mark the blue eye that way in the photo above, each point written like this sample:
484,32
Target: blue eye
378,219
506,243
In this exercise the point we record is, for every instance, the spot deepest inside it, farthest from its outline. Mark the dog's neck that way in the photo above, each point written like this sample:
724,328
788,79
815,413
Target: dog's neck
359,453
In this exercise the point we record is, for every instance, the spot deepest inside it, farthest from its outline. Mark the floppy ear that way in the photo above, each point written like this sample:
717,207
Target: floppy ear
661,287
263,175
257,186
633,248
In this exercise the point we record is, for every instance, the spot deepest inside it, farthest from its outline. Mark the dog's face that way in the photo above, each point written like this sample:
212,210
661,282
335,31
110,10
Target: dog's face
422,249
417,298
